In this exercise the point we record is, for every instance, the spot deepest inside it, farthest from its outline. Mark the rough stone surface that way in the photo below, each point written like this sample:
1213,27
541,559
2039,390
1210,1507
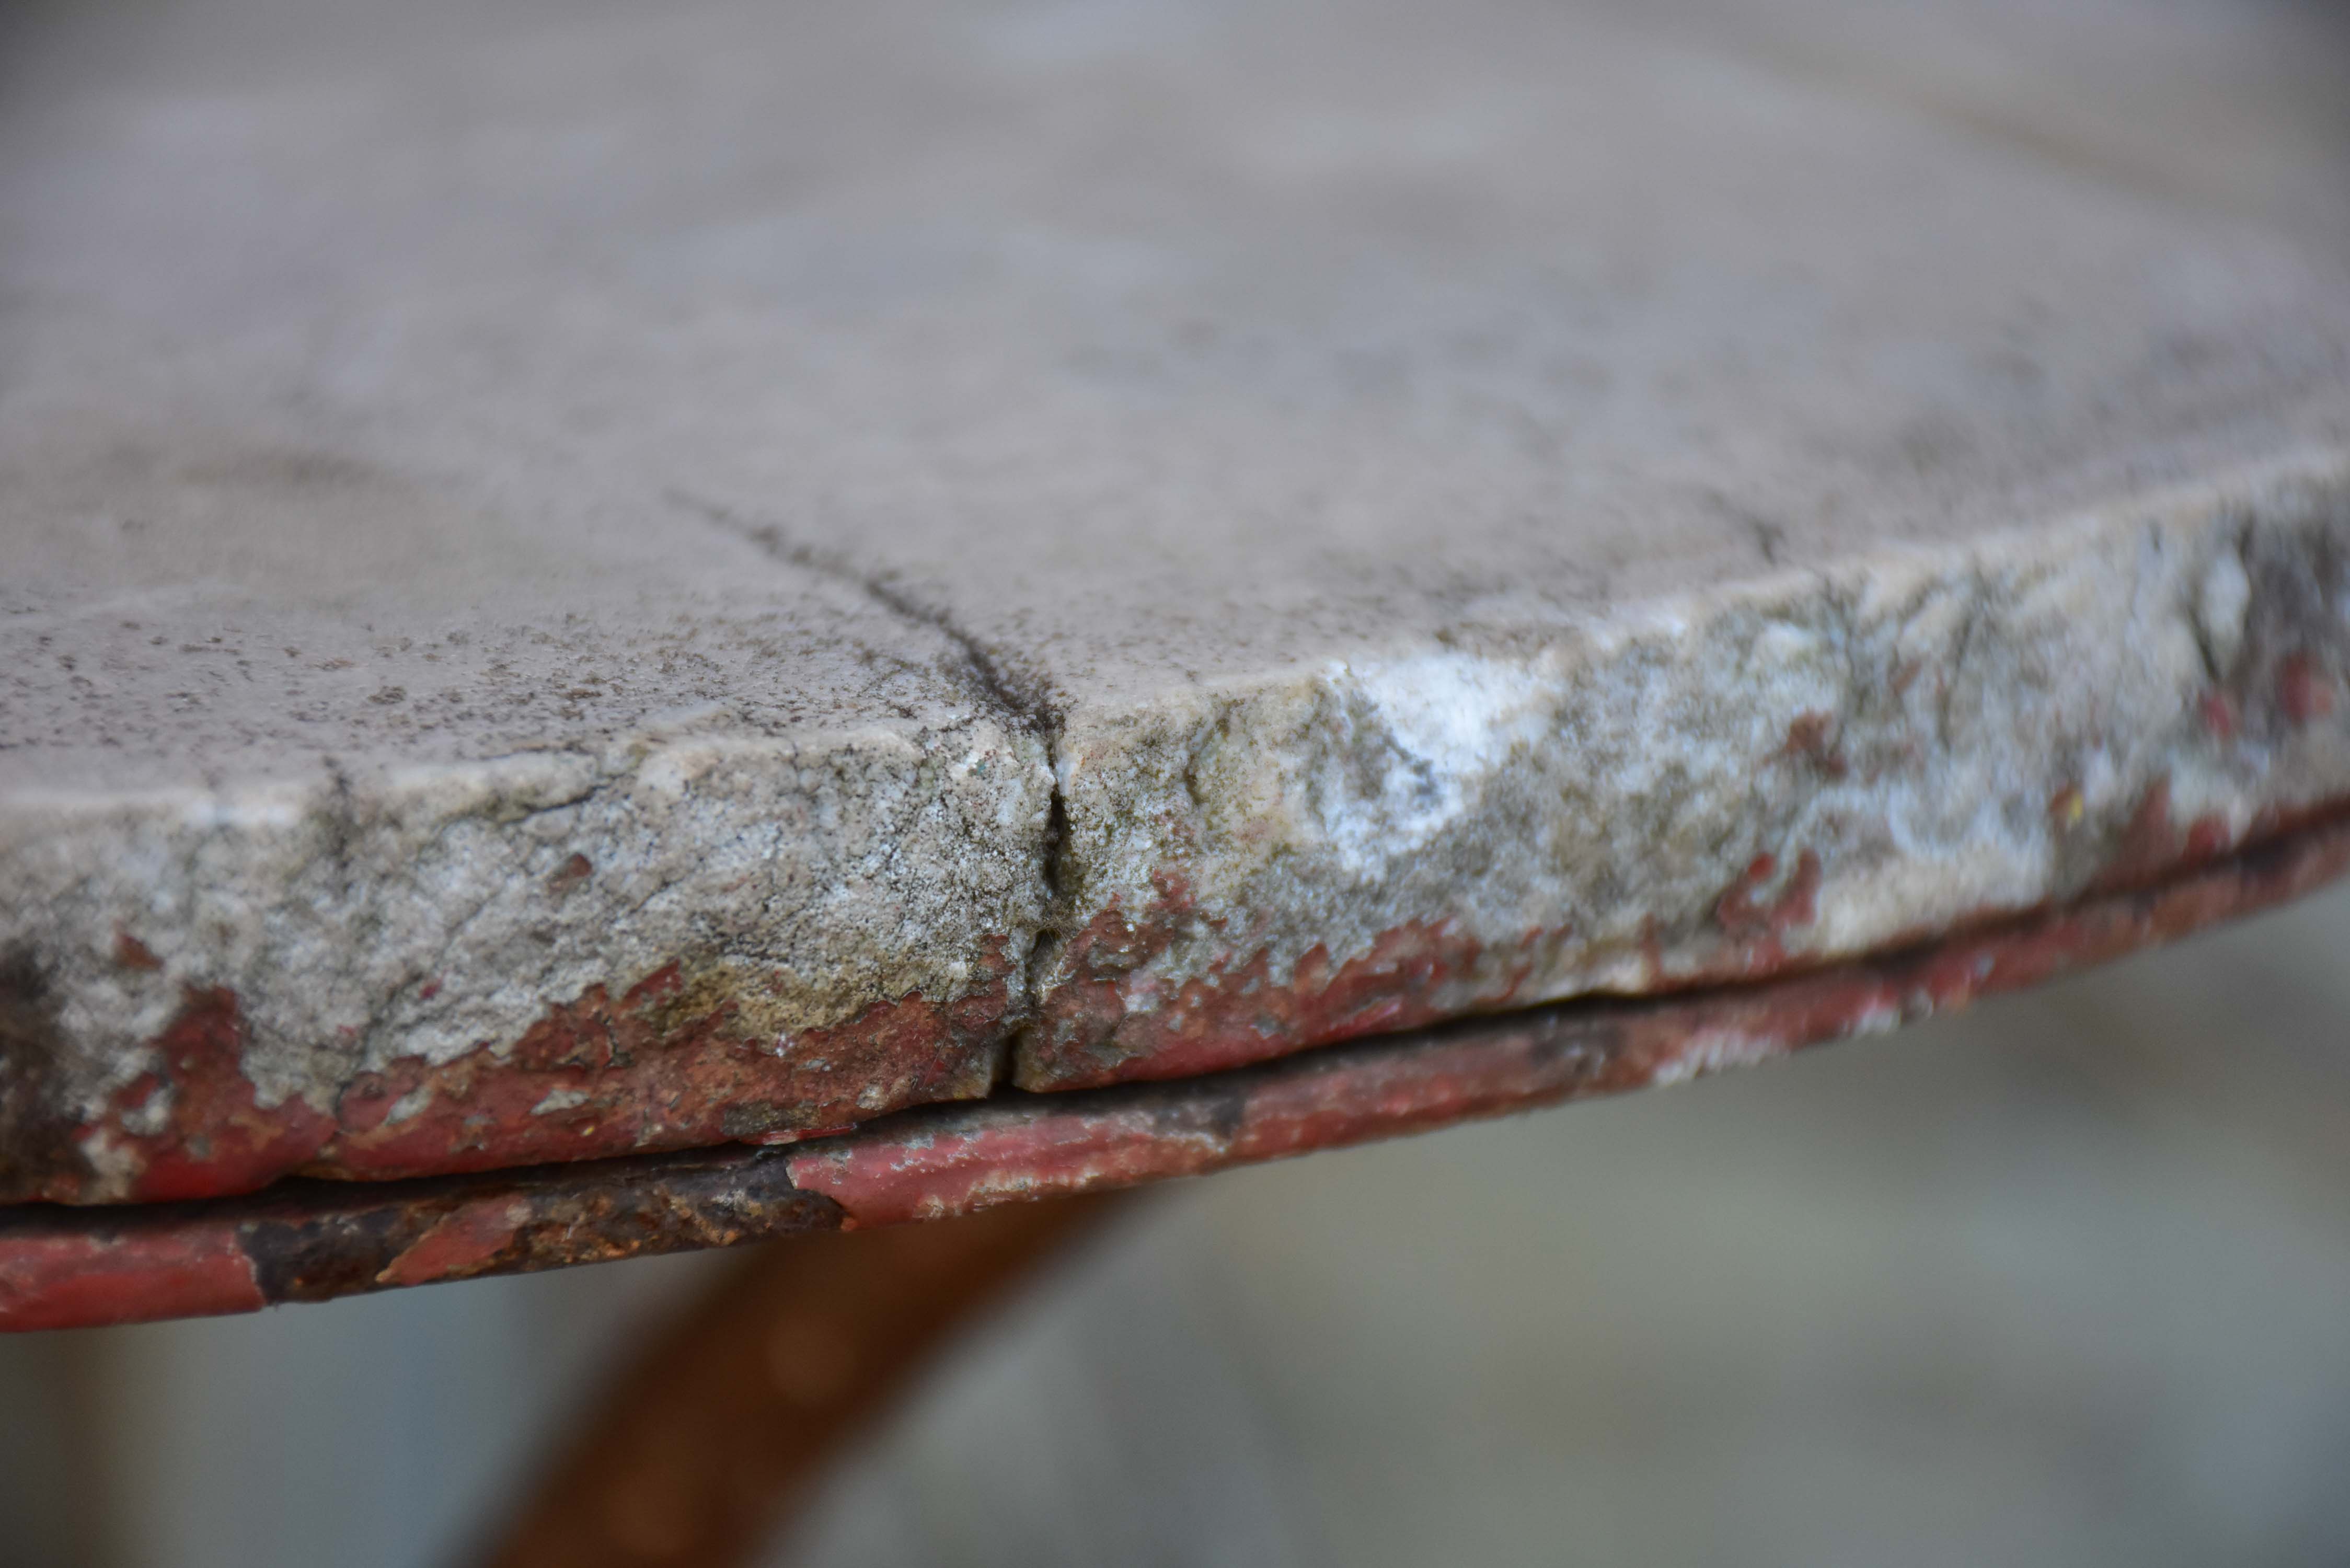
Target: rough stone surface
812,544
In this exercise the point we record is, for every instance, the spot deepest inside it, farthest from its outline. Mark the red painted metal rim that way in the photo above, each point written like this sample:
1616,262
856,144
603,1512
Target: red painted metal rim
310,1239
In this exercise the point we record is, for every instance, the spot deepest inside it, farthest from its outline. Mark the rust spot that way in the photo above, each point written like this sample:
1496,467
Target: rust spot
1797,904
1811,737
2148,842
2305,691
2206,836
129,952
2220,715
2152,843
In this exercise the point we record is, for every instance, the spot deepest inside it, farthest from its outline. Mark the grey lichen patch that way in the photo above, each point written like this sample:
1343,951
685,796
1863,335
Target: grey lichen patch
1631,801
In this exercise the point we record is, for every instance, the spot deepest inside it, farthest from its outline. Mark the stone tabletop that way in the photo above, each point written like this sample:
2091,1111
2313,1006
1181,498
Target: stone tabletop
581,580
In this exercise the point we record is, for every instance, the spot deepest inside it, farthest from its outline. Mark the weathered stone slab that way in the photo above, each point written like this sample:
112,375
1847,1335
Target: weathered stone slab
815,544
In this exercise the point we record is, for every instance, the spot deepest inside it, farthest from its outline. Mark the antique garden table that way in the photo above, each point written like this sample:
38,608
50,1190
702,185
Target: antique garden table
628,631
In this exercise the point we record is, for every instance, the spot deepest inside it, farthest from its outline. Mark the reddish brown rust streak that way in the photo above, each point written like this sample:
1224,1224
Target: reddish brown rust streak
63,1266
595,1078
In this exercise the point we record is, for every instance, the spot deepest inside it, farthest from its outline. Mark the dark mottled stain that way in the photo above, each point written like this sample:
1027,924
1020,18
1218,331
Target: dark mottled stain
2296,642
37,1147
306,1256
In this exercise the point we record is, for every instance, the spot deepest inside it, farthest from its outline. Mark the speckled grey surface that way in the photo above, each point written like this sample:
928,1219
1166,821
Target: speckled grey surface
1450,492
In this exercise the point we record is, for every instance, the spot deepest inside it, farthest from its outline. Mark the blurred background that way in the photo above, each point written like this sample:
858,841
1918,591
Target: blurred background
2065,1279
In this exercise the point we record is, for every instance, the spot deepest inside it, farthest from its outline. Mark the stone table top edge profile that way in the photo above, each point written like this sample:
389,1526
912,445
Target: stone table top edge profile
548,616
2231,732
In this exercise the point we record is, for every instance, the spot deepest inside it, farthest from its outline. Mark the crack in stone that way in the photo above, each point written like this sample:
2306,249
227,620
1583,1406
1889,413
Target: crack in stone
1012,698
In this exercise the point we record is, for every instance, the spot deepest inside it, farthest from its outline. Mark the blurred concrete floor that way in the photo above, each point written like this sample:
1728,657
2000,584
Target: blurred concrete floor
2065,1280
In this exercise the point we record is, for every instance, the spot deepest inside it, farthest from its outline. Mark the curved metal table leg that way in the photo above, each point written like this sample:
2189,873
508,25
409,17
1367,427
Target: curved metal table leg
699,1450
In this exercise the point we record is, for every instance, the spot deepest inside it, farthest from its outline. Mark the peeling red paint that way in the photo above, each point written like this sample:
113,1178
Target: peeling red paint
603,1075
63,1278
311,1241
596,1077
1110,1019
131,953
459,1246
214,1136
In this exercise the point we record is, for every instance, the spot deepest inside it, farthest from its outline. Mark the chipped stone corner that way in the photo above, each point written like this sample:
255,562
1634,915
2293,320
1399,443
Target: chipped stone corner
1712,787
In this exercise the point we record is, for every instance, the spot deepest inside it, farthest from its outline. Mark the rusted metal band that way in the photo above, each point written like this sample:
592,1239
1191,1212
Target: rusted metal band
310,1239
